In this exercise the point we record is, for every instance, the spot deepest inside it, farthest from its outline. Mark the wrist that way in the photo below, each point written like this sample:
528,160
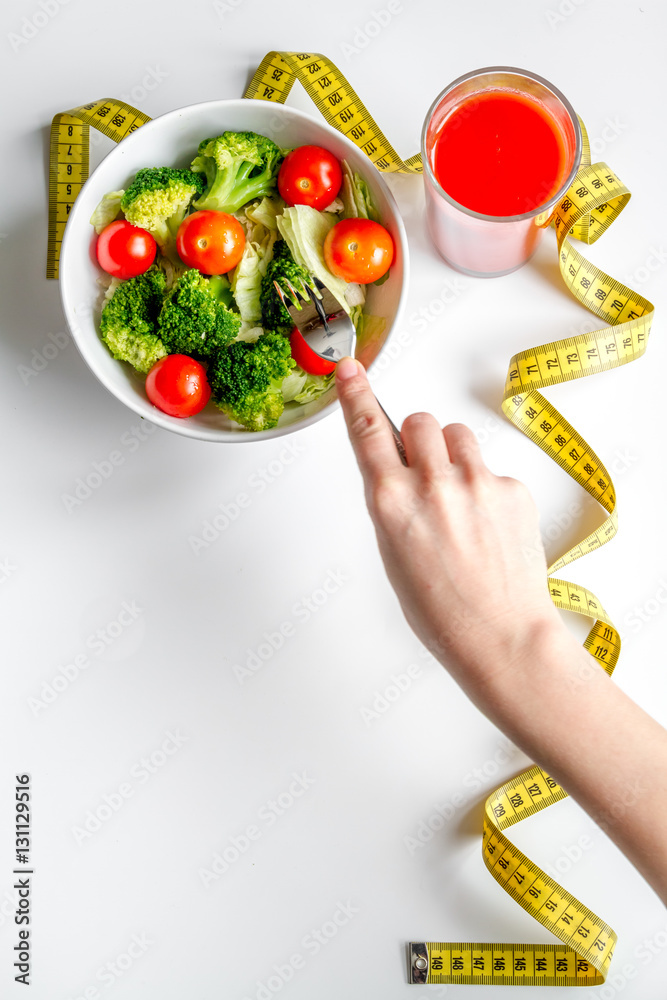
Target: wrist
548,681
515,670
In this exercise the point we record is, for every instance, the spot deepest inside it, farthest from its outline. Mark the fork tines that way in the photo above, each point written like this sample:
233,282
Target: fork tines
302,311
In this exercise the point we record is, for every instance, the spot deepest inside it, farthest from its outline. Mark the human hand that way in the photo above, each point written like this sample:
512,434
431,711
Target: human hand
461,546
462,550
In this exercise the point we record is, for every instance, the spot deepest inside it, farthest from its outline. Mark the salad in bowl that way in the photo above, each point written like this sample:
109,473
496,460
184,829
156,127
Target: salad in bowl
191,223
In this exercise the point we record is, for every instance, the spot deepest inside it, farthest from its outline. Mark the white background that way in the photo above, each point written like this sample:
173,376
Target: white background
371,781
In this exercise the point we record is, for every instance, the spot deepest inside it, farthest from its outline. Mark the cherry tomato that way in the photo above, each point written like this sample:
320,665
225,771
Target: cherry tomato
177,385
212,242
358,250
124,251
306,358
311,176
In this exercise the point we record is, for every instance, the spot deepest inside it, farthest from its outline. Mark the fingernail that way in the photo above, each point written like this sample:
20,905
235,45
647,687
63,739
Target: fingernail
346,368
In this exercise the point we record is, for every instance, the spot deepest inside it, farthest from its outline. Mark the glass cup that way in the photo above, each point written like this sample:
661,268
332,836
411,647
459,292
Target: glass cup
486,246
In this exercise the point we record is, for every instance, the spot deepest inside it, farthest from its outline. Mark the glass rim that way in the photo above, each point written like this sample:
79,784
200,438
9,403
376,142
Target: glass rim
555,198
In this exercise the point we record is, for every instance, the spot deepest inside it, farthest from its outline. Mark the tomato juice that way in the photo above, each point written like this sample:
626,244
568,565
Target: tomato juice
500,147
500,153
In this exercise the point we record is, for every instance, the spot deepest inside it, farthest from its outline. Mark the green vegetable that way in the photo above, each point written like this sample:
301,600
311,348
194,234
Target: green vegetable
129,320
194,319
236,323
370,335
246,380
248,274
282,268
265,212
356,196
314,386
293,384
172,271
300,387
157,200
239,167
107,211
246,284
305,229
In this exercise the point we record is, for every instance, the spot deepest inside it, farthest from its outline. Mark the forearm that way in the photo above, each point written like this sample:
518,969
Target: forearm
560,707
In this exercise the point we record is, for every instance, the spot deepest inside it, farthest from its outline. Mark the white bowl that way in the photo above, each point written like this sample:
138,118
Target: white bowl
172,140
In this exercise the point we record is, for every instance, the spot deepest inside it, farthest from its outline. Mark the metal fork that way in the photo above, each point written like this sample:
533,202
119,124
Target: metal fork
327,329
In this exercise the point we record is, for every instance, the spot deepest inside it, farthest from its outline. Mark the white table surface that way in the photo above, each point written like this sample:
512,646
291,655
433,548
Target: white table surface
158,711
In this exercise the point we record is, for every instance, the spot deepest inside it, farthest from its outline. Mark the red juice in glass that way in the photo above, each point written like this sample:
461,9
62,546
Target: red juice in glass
500,148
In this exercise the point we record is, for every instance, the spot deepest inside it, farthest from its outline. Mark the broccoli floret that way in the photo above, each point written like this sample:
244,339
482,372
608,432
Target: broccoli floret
246,379
157,200
129,320
282,268
195,319
239,167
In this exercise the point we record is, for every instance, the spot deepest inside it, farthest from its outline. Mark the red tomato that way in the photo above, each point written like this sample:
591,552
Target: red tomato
212,242
306,358
177,385
124,251
311,176
358,250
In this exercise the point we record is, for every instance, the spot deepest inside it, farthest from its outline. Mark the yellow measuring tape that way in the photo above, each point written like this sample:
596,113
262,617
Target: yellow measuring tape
593,202
69,160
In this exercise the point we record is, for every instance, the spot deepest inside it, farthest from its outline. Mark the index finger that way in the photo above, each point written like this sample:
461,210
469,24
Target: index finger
367,426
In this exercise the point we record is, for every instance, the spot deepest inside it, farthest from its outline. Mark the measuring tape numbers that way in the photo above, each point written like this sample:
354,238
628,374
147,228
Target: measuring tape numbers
593,202
69,159
334,98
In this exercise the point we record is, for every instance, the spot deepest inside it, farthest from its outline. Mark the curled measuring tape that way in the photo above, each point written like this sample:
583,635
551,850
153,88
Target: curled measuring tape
592,203
69,159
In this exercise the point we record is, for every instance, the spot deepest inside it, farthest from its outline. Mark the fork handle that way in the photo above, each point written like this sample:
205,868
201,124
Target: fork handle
398,440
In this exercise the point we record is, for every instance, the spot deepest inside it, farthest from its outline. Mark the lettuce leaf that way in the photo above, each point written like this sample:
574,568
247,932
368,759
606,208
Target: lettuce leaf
305,230
356,196
293,384
107,211
246,279
249,333
364,199
246,284
300,387
369,329
335,206
265,212
314,386
172,272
